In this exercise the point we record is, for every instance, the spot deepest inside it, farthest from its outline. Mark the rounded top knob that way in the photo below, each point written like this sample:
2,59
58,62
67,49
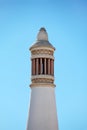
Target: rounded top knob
42,35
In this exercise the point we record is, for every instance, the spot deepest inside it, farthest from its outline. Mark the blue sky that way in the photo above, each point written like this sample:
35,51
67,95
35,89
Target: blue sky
66,24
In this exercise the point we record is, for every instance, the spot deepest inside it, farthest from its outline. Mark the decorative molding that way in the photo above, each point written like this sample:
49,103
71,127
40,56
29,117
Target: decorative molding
42,56
42,76
42,79
38,80
42,51
42,47
42,85
46,79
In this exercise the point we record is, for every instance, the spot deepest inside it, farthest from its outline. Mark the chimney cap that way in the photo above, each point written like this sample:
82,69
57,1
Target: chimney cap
42,35
42,39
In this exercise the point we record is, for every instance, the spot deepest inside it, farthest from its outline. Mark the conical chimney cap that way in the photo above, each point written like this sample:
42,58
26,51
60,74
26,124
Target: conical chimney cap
42,35
42,40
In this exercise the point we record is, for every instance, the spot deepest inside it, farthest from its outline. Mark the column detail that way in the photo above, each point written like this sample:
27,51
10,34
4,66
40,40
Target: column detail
44,65
40,65
33,66
37,66
49,66
52,67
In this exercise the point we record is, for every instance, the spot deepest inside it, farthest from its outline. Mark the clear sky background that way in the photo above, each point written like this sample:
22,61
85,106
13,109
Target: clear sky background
66,24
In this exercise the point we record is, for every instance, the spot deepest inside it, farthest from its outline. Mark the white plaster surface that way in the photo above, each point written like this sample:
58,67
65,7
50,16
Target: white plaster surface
42,111
42,35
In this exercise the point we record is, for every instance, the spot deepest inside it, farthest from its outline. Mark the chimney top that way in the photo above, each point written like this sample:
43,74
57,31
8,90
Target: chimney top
42,35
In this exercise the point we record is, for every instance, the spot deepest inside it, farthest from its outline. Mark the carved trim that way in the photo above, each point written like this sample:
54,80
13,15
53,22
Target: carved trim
42,79
42,76
42,56
42,51
42,85
42,47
